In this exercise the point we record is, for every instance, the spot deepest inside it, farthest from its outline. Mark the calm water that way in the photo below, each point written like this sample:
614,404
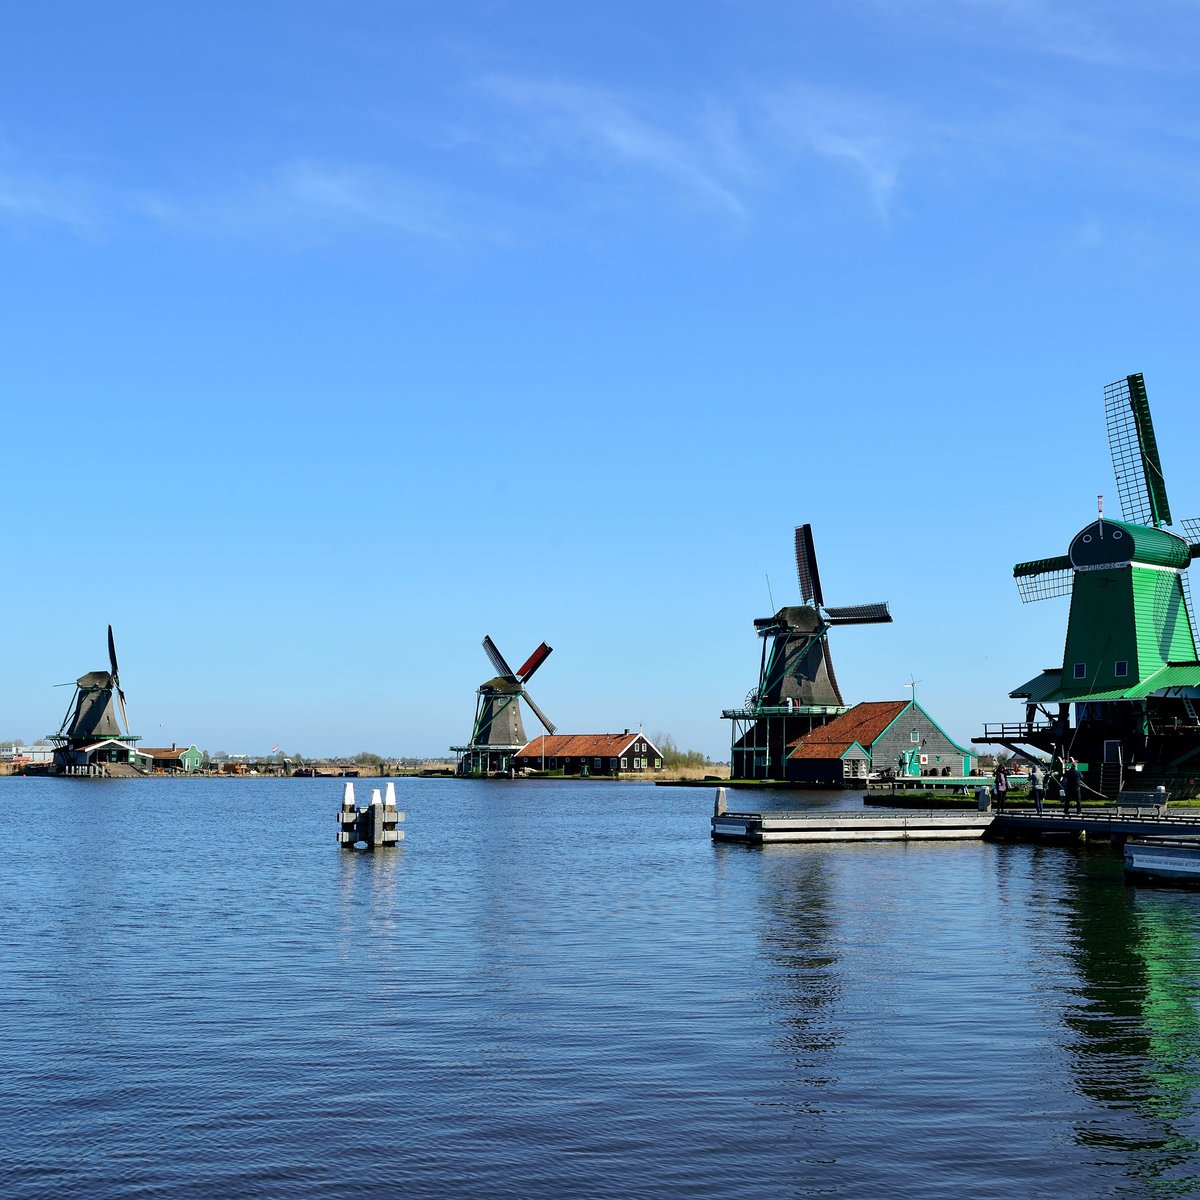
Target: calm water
566,990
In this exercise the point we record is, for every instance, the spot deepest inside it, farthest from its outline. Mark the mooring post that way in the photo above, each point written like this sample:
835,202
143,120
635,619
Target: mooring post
372,826
720,808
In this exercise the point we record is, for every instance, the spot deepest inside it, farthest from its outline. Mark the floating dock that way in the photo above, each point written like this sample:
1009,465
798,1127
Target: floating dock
1173,859
1116,823
759,828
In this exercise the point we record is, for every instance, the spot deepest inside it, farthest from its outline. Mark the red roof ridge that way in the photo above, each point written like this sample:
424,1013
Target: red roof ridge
863,724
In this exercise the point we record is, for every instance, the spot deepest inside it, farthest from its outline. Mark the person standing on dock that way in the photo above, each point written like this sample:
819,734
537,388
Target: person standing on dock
1035,786
1001,787
1072,785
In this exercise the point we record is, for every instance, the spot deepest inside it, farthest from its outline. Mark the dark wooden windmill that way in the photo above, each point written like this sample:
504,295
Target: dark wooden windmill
499,732
797,687
90,737
1126,700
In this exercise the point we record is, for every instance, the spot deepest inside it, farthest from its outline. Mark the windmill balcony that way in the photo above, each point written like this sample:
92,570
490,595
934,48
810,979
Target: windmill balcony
783,710
1007,730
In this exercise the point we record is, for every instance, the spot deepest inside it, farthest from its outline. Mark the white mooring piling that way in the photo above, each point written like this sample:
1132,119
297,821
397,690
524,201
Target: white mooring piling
375,825
720,806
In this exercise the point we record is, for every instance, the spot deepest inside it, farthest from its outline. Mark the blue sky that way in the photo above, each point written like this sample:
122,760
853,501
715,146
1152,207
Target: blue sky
337,335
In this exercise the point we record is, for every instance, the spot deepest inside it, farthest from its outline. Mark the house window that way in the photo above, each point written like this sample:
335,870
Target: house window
596,763
624,763
1121,669
658,764
1081,670
914,736
552,762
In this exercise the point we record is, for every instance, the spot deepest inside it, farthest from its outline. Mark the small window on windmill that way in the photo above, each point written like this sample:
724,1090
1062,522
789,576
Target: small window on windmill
1121,668
1081,670
914,736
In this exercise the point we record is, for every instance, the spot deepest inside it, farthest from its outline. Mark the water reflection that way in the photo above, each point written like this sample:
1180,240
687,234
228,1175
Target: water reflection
800,939
1134,1018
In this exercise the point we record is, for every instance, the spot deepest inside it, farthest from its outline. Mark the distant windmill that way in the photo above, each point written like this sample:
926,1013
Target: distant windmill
91,716
797,689
795,662
499,731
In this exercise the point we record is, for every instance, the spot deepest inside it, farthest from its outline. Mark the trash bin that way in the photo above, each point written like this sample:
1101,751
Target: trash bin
983,797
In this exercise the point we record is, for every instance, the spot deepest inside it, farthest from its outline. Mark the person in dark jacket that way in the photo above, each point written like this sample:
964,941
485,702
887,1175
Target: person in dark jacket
1072,782
1001,786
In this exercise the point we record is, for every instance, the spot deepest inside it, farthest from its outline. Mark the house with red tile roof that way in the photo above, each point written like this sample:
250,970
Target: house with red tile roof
174,758
876,737
590,754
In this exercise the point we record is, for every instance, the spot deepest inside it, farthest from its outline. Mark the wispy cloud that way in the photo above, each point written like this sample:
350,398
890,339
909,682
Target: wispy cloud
1059,28
702,159
313,199
330,193
26,199
862,133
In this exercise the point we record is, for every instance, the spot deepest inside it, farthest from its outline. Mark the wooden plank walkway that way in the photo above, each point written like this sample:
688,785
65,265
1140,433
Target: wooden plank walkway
1111,821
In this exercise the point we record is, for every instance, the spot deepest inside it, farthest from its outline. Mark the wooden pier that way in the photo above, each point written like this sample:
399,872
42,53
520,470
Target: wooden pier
1114,823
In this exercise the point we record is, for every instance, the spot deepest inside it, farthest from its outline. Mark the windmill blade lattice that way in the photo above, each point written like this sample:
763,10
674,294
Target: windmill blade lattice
1138,468
806,567
1044,578
116,678
859,614
537,712
497,659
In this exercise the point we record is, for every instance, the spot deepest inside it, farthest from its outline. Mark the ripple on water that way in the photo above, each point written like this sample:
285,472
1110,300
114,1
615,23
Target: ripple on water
562,989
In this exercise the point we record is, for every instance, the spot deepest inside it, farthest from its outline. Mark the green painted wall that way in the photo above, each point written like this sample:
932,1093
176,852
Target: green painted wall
1163,631
1101,630
191,759
1132,614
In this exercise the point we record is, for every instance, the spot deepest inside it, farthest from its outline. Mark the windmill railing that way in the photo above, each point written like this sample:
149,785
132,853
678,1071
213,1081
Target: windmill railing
782,710
1015,730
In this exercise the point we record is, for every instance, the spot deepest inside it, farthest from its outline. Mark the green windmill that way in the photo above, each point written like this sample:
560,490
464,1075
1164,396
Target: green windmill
1129,663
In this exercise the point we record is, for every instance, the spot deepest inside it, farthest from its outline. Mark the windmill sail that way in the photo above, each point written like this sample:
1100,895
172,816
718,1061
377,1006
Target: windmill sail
806,567
497,659
1140,484
1043,578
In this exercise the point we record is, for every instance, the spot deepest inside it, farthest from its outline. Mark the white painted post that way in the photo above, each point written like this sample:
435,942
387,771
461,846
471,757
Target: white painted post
348,795
720,808
389,795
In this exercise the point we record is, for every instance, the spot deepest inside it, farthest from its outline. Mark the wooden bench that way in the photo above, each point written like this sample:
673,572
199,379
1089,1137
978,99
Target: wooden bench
1142,804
